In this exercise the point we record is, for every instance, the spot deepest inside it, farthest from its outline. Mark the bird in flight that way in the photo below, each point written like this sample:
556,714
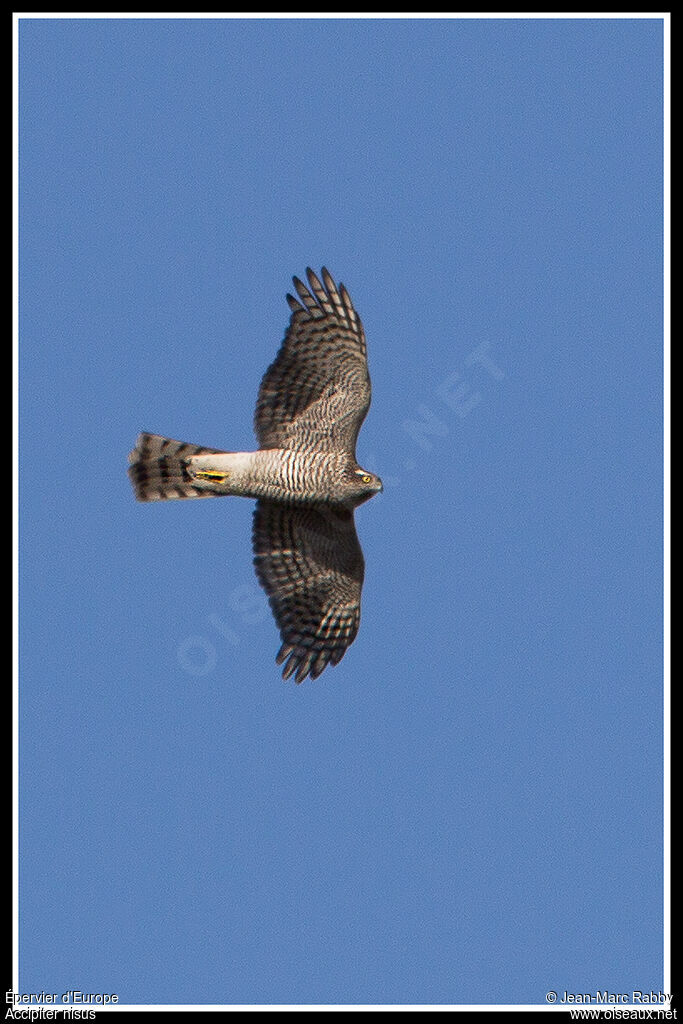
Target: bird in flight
304,476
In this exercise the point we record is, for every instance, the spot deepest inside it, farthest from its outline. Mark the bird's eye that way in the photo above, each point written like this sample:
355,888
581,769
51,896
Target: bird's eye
366,479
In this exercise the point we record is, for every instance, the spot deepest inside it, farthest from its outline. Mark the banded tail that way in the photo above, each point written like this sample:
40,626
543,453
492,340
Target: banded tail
159,469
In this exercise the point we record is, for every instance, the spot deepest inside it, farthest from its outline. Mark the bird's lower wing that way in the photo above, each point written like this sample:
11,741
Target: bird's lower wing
310,563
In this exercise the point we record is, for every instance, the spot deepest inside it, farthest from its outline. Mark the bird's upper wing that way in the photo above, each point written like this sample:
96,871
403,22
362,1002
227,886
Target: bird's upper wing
310,563
317,392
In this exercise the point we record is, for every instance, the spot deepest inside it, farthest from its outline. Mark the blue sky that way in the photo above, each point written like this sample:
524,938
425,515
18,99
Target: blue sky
468,809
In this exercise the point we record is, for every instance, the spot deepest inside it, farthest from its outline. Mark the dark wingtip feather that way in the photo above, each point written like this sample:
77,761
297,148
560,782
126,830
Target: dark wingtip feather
303,669
289,667
304,294
320,664
284,651
328,279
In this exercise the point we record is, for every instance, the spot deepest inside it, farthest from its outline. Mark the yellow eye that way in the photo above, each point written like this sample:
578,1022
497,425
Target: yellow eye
366,479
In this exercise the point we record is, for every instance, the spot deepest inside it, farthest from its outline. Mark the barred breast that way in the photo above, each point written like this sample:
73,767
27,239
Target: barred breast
274,473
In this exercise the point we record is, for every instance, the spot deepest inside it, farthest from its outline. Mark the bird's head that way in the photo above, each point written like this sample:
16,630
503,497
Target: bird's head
365,485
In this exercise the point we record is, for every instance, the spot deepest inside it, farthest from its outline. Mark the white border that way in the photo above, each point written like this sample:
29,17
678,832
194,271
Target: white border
666,429
15,502
382,16
665,17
